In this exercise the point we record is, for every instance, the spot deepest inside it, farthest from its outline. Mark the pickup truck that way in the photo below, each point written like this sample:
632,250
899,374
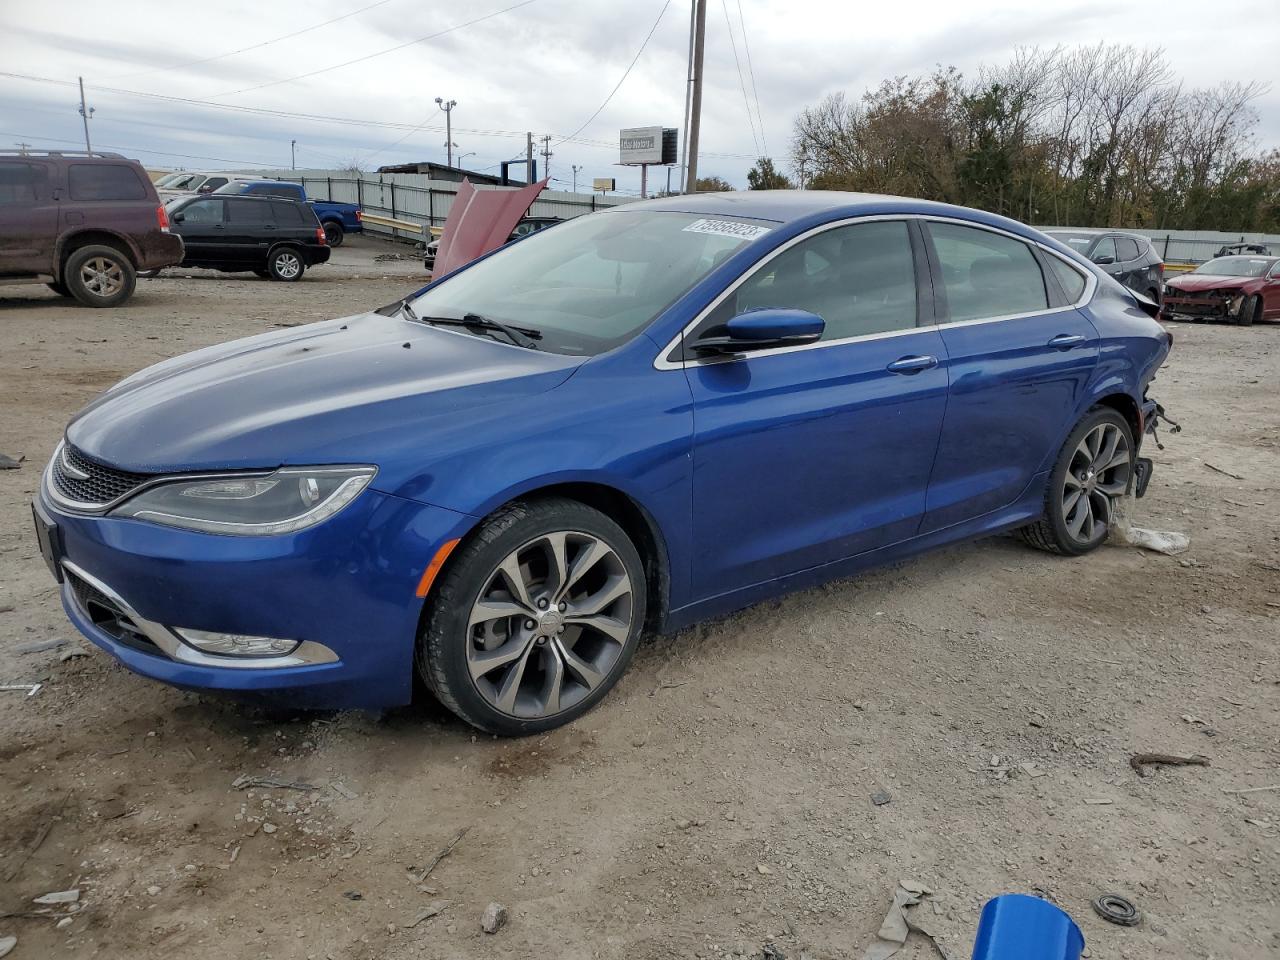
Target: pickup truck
338,219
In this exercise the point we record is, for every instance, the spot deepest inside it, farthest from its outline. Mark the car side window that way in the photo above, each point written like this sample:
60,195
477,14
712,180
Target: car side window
104,181
1070,279
1127,249
20,182
286,214
213,183
987,274
859,278
249,211
1106,248
202,211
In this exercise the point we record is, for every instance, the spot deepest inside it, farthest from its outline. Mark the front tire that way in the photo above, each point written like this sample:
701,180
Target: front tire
1250,310
536,616
333,234
1089,478
285,265
99,276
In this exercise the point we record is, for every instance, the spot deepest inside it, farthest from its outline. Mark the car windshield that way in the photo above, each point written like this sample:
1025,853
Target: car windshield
1236,267
594,281
183,182
168,178
1079,242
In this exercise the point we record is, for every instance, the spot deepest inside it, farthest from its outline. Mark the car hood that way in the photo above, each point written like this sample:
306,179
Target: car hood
354,390
1209,281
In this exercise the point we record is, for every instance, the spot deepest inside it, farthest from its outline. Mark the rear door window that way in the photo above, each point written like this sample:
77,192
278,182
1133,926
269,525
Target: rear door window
251,212
1127,249
20,182
987,274
1106,248
104,181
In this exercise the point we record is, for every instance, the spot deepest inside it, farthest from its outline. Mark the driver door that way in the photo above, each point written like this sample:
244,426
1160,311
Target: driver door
808,455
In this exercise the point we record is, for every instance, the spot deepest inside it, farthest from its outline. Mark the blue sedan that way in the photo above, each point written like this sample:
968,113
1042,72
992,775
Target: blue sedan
638,420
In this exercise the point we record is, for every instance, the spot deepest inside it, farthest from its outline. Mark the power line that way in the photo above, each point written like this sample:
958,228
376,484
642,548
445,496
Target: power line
624,75
746,102
400,46
752,72
256,46
158,153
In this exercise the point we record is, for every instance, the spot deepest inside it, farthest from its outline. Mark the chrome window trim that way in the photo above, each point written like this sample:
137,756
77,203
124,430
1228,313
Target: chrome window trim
661,361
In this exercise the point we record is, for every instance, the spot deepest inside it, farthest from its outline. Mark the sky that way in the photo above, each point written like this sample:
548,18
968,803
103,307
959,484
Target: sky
545,66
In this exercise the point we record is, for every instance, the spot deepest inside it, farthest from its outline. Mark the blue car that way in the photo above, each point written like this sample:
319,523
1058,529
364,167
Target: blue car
641,419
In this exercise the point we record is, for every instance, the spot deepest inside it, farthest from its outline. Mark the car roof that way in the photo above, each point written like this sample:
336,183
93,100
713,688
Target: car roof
787,206
1096,232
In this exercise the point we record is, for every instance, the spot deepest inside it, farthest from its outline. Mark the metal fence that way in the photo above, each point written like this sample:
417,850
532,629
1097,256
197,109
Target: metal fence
418,199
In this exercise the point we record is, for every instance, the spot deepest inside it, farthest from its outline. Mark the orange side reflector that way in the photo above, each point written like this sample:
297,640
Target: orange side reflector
429,574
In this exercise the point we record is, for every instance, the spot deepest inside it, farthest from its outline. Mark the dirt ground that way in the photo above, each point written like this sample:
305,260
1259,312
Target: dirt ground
720,799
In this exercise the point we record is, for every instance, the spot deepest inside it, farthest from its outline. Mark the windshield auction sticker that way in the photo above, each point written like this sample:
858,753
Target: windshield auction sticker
727,228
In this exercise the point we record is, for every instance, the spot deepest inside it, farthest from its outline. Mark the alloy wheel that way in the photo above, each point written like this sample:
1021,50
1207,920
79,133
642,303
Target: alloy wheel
102,276
288,265
549,624
1096,478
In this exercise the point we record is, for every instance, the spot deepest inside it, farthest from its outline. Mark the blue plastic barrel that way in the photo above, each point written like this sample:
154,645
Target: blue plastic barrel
1017,927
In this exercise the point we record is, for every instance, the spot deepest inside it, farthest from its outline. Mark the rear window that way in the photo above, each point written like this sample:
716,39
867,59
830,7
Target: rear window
20,182
1127,249
104,181
287,214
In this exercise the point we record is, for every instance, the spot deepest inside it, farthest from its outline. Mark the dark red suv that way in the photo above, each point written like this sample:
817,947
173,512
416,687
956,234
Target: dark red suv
84,223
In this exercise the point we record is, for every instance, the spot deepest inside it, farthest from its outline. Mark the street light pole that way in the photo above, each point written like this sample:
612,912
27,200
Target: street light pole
576,168
447,106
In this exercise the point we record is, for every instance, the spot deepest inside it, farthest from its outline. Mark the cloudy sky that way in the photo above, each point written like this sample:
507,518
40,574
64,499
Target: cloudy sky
358,78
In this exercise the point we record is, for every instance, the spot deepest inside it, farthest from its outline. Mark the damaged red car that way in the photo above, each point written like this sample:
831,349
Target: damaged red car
1235,289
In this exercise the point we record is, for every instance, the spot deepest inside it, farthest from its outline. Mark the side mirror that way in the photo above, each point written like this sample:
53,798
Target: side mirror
762,330
178,217
1103,260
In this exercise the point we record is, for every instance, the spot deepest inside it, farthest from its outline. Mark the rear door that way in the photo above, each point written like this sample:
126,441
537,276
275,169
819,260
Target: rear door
28,217
1130,267
251,229
1020,359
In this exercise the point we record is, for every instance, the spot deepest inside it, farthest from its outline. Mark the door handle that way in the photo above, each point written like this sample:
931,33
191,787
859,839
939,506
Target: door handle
912,364
1065,341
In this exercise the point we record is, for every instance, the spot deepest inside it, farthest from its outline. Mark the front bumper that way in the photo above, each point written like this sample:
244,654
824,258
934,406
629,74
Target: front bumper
345,589
1212,307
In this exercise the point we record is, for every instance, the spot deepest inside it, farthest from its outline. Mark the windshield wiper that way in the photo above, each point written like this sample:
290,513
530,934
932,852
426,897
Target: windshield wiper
520,336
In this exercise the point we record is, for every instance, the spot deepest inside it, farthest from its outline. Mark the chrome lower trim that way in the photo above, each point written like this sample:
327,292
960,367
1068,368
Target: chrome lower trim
307,653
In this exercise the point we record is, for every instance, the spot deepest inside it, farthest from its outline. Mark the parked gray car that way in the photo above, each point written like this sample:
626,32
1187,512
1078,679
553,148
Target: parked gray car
1129,257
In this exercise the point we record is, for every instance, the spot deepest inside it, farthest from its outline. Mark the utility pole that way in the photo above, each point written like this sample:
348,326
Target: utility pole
293,154
86,113
447,106
576,168
695,109
22,148
546,155
688,93
528,157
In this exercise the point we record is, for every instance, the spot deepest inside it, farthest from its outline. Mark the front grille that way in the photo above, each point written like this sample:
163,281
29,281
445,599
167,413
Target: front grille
101,484
108,616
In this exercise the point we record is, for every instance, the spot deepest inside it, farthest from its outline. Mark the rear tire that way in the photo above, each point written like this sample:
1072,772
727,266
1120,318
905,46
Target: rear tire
1092,474
286,265
99,276
333,234
520,658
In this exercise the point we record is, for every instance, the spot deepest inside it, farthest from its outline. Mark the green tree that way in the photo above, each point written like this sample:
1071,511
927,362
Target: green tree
713,185
764,176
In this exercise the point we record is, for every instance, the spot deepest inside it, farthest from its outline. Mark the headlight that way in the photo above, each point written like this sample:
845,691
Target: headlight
253,505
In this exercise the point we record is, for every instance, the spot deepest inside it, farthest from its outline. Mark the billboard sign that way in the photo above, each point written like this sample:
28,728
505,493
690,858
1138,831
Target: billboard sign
604,184
639,145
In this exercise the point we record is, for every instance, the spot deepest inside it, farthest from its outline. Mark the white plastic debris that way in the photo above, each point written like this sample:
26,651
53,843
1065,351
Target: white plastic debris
7,944
62,896
1161,541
